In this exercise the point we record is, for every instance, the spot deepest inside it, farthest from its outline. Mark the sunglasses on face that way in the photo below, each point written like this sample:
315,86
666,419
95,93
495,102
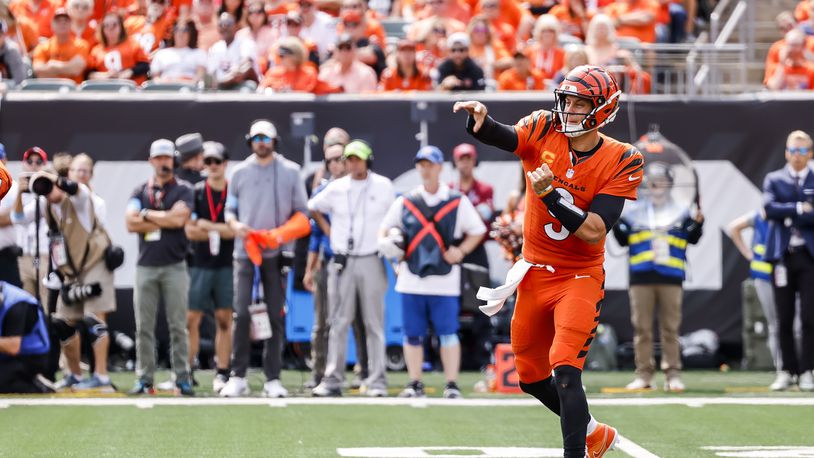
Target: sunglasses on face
344,47
34,161
352,6
181,29
257,11
282,52
800,150
81,7
261,139
440,31
490,6
459,50
212,160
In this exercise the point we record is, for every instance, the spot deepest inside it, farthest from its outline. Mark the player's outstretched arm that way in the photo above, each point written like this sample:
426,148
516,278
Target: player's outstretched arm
481,126
590,226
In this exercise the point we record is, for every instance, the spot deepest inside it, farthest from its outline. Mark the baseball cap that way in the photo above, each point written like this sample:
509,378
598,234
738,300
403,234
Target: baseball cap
2,151
465,149
36,150
60,12
263,127
458,38
188,145
430,153
359,149
162,148
214,149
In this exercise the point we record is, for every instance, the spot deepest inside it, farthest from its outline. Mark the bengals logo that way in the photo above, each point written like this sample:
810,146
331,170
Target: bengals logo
548,157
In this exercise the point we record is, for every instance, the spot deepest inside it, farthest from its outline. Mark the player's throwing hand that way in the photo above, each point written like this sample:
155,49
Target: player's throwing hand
541,179
475,109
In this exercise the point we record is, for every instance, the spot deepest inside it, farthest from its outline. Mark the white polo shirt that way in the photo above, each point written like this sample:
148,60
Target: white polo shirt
467,222
356,209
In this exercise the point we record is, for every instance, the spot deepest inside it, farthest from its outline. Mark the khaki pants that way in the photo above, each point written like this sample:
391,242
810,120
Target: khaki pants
29,278
643,302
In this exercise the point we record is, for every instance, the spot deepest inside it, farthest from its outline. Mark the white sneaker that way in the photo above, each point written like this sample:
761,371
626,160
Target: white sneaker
674,384
168,385
219,382
806,381
639,384
235,387
274,389
783,382
376,393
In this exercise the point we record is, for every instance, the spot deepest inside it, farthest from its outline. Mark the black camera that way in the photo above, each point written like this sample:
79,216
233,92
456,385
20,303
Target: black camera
341,260
76,293
40,184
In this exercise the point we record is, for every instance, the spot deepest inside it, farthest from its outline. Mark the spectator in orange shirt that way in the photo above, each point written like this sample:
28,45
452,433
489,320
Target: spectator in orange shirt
258,29
450,9
102,7
671,21
431,47
20,30
802,11
545,54
436,9
503,31
574,16
81,24
634,18
62,56
291,74
373,29
40,12
404,74
117,56
785,23
206,22
521,77
344,70
793,71
575,56
151,25
488,52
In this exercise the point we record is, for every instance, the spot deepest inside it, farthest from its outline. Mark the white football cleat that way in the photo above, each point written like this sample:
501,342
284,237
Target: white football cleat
236,387
639,384
806,381
674,384
274,389
783,382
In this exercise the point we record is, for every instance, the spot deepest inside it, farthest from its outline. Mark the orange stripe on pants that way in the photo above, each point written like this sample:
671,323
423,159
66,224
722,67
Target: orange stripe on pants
555,319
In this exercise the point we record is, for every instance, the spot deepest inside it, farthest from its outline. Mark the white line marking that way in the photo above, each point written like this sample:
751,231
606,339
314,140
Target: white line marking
405,452
757,451
426,402
633,449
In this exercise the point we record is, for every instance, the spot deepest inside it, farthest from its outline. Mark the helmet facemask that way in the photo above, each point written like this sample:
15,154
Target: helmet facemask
589,120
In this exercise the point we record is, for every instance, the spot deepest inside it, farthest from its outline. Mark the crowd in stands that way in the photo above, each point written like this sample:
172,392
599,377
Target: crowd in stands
790,62
329,46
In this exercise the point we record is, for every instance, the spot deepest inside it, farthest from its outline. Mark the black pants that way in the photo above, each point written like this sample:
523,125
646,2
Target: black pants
9,272
800,275
17,373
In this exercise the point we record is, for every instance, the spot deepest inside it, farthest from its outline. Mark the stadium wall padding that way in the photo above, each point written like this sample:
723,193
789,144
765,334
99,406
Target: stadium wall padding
749,132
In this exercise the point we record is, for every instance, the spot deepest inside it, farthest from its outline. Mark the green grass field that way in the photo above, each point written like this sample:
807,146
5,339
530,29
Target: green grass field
322,429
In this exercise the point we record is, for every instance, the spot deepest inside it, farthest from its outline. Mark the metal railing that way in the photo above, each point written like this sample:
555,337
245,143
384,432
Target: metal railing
713,65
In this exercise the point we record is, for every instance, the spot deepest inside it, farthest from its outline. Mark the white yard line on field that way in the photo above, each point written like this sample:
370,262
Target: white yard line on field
424,402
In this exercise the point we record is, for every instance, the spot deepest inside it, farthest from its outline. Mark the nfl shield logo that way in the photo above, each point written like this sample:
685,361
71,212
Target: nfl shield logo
569,173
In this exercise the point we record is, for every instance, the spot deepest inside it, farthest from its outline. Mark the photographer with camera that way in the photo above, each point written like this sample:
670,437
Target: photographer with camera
24,343
266,208
9,251
79,246
158,212
356,204
32,264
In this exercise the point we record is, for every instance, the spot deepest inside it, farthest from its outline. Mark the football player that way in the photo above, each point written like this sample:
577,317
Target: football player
577,183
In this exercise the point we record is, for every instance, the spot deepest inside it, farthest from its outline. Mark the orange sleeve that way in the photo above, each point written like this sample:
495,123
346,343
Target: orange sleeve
800,11
30,35
82,49
41,53
504,82
95,58
387,79
531,130
626,176
307,81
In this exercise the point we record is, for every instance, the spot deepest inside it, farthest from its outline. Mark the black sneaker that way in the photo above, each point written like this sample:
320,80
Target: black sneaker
184,389
414,389
451,391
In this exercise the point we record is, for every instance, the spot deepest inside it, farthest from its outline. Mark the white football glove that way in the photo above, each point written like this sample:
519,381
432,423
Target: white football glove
389,249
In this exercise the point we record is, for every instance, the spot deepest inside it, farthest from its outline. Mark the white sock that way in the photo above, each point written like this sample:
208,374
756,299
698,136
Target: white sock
592,425
106,379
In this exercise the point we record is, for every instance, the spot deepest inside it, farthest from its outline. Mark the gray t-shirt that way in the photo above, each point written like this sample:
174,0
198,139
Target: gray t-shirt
167,246
265,197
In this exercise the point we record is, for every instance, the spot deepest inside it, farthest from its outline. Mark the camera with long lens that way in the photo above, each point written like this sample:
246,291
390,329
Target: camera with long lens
76,293
41,184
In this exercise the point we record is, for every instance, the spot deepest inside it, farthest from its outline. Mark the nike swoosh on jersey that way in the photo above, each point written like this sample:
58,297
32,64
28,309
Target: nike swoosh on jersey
632,178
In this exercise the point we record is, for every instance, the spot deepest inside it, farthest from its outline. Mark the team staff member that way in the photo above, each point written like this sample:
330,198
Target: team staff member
24,343
578,182
210,268
357,204
158,212
266,208
431,219
790,248
189,149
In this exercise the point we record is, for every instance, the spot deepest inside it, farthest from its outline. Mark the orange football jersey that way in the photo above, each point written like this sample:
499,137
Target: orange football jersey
615,169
